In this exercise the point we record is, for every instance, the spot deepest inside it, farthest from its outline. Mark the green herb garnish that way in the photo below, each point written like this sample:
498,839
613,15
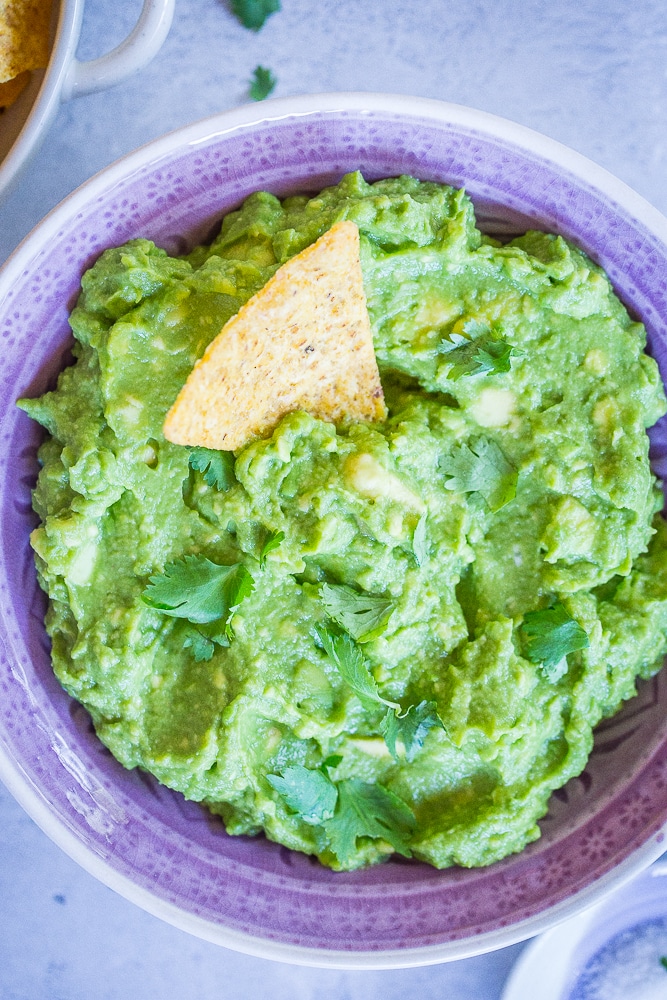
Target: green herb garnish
199,590
481,468
549,636
345,810
663,961
364,616
353,666
483,356
410,729
310,793
253,13
217,467
262,83
406,728
272,542
365,810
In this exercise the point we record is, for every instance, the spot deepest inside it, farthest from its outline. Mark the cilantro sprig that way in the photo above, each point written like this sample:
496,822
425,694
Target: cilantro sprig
481,468
217,467
253,13
400,729
272,541
307,791
353,667
368,810
205,594
363,616
549,635
346,810
410,729
482,356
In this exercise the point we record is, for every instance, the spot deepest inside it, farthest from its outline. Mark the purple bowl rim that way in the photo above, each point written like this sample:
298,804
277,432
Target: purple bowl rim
400,107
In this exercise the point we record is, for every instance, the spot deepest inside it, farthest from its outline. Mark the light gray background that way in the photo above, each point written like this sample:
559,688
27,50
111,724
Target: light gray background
590,73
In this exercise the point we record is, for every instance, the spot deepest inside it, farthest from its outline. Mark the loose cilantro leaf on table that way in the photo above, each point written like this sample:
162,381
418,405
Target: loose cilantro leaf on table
199,590
272,542
262,83
365,810
217,467
410,729
663,961
484,356
481,468
353,666
253,13
311,793
549,636
364,616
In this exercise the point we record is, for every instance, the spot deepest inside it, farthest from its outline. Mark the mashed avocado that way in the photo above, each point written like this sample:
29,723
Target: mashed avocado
419,621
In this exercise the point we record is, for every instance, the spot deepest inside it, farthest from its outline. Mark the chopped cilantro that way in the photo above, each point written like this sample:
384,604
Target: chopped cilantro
483,356
481,468
262,83
663,961
272,542
365,810
353,666
364,616
410,729
199,590
311,793
253,13
549,636
217,467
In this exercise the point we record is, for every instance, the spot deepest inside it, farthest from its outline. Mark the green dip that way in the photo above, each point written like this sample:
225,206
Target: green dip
511,477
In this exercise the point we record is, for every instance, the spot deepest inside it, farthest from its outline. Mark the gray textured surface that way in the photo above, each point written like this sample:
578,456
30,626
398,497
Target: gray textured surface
592,74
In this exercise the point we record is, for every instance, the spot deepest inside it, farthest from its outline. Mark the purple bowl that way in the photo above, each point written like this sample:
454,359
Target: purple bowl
168,855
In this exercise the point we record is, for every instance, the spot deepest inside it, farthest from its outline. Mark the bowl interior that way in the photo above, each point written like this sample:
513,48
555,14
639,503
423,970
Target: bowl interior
170,855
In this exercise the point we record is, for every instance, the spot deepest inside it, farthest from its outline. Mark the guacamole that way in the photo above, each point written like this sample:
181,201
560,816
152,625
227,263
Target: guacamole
370,638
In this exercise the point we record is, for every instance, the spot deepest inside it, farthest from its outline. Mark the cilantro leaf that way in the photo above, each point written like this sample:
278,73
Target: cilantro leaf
199,590
217,467
484,356
253,13
311,793
364,616
202,647
483,469
420,547
410,729
478,352
272,542
663,961
549,636
262,83
365,810
353,666
202,639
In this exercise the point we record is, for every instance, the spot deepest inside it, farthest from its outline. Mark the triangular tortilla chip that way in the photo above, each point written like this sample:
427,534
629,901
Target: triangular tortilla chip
303,342
24,36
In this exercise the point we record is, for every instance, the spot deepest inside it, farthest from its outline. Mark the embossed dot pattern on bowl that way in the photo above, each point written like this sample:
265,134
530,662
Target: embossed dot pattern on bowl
170,855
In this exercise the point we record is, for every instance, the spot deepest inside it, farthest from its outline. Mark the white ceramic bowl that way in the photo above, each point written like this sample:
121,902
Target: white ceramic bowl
25,123
169,855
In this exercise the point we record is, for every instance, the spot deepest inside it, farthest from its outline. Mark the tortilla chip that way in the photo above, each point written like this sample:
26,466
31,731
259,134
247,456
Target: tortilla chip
10,89
24,36
303,342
